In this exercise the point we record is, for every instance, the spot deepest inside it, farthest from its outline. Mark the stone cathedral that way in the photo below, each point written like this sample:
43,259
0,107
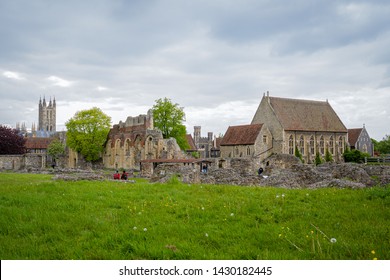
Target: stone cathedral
47,118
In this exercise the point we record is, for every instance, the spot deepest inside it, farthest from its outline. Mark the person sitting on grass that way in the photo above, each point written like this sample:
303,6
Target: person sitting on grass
124,175
117,176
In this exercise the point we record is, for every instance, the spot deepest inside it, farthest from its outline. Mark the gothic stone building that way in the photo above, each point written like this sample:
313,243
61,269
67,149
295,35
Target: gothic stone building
47,118
130,142
247,141
311,126
359,139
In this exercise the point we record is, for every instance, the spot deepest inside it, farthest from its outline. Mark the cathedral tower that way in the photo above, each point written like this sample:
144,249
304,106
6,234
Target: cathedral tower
47,116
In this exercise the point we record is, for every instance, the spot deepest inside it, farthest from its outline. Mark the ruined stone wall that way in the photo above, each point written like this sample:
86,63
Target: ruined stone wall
134,140
17,162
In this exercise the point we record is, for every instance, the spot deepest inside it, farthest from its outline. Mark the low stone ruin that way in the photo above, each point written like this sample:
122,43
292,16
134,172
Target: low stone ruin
284,171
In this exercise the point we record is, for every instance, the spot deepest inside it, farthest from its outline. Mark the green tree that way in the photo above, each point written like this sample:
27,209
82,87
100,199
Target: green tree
298,154
354,156
169,118
318,159
55,149
328,156
383,146
87,132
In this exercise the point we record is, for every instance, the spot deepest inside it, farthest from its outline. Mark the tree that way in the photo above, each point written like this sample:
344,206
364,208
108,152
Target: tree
354,156
11,142
318,159
328,156
87,132
55,149
169,118
298,154
383,146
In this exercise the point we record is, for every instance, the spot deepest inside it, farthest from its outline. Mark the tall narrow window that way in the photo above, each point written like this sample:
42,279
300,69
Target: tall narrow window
291,145
302,145
341,145
265,139
248,151
322,145
312,150
331,145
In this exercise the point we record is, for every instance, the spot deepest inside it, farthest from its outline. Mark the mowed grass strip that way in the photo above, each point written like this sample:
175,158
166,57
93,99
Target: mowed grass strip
45,219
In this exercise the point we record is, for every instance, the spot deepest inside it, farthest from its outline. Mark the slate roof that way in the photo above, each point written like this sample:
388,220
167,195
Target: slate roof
306,115
353,135
241,135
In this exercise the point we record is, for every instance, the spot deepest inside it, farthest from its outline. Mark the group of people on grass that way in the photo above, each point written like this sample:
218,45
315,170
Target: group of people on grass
122,176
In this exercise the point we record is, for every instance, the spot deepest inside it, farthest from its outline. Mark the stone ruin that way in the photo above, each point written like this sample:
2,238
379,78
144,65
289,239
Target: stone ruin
280,170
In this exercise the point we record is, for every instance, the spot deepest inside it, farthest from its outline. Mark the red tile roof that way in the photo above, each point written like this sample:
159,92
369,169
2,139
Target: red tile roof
306,115
353,135
191,142
37,142
241,135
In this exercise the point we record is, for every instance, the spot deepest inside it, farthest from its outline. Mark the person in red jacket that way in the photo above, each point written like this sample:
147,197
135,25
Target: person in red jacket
117,176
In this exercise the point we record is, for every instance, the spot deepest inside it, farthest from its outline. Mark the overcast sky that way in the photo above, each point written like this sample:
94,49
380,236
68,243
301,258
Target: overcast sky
214,58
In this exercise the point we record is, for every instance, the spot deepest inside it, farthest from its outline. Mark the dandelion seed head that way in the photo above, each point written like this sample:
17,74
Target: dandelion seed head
232,214
277,196
145,229
282,195
134,228
333,240
206,234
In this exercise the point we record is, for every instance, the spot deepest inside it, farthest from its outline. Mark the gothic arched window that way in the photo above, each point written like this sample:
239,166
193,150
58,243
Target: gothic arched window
291,145
302,145
322,145
331,145
311,143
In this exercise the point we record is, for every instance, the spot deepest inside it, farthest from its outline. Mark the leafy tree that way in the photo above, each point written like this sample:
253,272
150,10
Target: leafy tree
354,156
11,142
169,118
383,146
328,156
87,132
318,159
298,154
56,148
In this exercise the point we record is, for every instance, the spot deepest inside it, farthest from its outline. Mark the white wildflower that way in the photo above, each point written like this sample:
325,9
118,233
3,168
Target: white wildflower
333,240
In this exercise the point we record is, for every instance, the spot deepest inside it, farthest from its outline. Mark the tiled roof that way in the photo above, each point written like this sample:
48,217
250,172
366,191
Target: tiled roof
353,135
241,135
37,142
191,142
306,115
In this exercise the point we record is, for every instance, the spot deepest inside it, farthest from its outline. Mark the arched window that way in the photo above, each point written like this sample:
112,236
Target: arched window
331,145
117,147
302,145
341,145
149,145
127,147
322,145
311,143
248,151
365,150
291,145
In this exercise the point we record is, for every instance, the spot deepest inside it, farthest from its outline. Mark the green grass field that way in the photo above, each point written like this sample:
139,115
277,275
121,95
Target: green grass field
45,219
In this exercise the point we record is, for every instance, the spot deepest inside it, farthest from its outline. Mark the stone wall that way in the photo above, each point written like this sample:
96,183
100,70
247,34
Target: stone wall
17,162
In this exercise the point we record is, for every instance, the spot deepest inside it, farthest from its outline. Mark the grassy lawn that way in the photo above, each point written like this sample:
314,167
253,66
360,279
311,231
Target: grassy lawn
45,219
